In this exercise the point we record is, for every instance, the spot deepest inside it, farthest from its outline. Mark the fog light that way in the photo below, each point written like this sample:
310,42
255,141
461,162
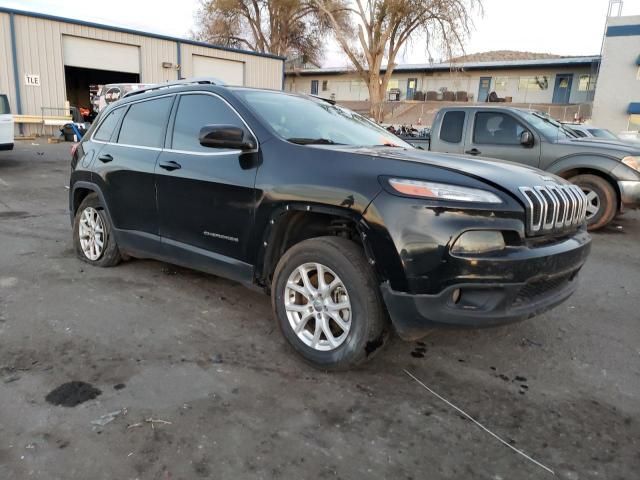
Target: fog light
478,241
455,296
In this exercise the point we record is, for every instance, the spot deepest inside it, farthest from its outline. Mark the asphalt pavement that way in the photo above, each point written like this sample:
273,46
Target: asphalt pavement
192,379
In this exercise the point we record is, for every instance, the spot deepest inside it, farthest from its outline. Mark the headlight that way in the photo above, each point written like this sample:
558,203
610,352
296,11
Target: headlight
632,162
478,241
442,191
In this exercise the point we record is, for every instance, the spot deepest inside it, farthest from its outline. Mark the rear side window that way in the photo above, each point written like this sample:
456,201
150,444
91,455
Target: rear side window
195,112
4,105
452,126
492,128
145,122
106,128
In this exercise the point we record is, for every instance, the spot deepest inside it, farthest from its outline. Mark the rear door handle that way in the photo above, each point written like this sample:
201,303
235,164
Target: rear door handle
473,151
170,165
105,158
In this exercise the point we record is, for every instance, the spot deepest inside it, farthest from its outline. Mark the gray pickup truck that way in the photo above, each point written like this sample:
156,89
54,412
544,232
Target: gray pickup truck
608,171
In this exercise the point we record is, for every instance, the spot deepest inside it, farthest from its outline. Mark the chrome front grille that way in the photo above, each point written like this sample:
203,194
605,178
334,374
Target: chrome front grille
553,208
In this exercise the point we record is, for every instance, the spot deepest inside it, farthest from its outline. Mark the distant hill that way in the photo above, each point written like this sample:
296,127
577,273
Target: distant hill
503,55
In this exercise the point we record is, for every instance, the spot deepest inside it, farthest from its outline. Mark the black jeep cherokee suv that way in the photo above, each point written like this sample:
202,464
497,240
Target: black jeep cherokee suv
345,225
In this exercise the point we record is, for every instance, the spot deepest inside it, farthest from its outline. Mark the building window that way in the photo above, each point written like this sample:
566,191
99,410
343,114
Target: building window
500,83
539,82
393,84
586,84
325,85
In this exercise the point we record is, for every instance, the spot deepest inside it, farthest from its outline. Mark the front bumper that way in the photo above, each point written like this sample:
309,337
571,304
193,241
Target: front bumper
629,193
534,280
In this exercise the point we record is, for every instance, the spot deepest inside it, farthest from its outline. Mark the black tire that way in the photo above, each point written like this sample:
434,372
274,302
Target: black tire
368,321
606,198
110,256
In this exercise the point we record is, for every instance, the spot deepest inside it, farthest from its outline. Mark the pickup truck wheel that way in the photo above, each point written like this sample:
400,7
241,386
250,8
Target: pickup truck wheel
601,198
92,236
327,303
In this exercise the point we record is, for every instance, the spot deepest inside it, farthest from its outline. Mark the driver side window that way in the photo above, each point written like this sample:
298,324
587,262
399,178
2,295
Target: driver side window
494,128
194,112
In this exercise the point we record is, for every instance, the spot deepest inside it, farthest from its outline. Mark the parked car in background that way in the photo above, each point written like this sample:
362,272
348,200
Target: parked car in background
589,131
6,124
607,170
340,221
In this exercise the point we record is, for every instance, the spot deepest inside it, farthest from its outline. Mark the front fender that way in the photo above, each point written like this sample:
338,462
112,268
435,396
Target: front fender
601,163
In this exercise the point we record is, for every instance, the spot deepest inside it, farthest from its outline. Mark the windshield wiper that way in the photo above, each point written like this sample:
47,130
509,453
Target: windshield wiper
313,141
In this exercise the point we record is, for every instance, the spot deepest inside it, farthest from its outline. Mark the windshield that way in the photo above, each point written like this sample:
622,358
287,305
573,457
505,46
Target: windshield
4,105
309,121
602,133
547,126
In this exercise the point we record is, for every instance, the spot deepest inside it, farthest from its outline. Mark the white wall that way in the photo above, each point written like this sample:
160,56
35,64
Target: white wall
618,83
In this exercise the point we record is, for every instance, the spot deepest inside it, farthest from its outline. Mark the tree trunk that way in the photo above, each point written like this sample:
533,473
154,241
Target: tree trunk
376,96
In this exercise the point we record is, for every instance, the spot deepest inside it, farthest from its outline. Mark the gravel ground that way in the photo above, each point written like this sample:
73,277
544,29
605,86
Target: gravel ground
200,383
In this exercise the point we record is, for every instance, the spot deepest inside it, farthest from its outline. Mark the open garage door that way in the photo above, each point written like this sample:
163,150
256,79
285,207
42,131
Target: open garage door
228,71
89,64
100,55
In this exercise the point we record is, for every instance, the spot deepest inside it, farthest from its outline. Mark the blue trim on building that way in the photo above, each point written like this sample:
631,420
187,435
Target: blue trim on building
179,51
14,54
54,18
634,108
16,76
623,31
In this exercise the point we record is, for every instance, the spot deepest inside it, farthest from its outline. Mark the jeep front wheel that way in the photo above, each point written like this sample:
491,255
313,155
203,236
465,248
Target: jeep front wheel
327,303
601,199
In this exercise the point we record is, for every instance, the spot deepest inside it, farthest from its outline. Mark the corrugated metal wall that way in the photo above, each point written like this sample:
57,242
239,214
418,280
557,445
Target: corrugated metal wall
260,72
39,52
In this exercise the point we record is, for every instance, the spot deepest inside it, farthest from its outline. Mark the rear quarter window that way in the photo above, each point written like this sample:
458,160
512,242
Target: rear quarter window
106,128
452,127
4,105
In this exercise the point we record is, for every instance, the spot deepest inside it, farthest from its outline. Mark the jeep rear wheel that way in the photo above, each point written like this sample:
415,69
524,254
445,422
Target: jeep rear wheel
327,303
92,235
601,199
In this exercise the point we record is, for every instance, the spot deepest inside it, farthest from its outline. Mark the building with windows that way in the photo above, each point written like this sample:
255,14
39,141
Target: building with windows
617,101
48,63
562,80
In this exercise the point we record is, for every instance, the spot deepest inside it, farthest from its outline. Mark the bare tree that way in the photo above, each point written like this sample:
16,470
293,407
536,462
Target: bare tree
380,29
281,27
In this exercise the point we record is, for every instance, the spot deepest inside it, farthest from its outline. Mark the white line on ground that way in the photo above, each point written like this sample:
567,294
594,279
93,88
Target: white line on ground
3,183
480,425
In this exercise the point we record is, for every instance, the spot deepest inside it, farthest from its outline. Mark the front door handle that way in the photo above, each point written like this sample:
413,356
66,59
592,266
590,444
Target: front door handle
105,158
170,165
473,151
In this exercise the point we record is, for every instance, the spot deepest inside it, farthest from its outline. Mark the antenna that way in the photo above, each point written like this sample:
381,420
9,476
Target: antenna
617,6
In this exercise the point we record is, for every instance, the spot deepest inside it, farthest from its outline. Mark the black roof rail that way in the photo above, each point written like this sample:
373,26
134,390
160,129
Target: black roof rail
177,83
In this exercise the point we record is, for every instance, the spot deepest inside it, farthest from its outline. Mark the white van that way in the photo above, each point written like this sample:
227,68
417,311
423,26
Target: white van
6,124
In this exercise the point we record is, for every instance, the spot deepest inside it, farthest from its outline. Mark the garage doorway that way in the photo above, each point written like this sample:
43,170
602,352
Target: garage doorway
82,83
91,63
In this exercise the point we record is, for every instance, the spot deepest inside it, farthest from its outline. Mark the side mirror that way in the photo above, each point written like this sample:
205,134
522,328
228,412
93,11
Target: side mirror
526,139
226,136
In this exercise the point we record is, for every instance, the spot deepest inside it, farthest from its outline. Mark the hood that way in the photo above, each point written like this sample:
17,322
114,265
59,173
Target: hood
617,148
507,176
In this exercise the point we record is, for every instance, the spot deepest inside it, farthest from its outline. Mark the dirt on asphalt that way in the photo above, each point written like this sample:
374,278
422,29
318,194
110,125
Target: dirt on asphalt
197,381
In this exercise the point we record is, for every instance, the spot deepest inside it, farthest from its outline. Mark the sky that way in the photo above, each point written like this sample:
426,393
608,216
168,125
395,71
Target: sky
564,27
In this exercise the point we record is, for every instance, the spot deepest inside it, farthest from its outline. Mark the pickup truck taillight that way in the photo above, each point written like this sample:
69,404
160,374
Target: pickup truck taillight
74,149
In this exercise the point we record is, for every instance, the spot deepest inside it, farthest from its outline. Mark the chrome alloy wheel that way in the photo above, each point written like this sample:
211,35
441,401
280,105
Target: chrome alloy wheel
91,233
593,202
318,306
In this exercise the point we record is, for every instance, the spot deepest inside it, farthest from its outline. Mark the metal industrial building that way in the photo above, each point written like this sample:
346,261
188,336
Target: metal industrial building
47,61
